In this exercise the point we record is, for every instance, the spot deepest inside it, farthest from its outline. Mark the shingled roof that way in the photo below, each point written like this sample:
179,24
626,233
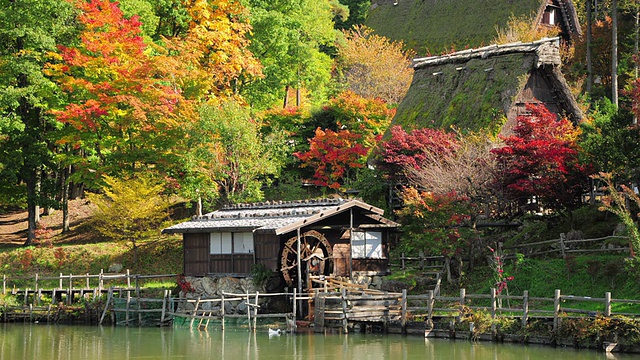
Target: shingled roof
478,88
274,217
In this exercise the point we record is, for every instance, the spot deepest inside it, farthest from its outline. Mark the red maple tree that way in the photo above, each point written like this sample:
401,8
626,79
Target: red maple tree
332,154
541,160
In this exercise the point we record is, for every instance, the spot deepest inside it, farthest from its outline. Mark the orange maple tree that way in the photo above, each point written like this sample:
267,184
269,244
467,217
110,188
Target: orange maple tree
118,105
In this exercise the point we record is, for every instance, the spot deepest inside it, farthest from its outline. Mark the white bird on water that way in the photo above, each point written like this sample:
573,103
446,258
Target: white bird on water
274,332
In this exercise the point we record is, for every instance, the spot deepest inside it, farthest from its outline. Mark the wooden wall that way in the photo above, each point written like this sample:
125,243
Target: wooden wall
196,254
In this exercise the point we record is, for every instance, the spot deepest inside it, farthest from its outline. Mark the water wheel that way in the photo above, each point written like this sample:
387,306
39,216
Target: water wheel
311,242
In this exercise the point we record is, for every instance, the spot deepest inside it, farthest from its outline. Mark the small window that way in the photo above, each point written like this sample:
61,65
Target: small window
243,243
220,243
231,243
366,245
549,16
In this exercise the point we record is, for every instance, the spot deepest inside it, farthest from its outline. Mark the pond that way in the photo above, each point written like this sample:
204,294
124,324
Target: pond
69,342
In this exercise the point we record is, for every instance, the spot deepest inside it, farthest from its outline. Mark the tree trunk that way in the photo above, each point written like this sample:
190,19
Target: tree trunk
614,52
65,198
31,209
589,40
286,97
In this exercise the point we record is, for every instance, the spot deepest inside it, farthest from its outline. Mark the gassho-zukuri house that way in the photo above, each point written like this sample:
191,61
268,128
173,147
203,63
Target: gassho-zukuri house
298,238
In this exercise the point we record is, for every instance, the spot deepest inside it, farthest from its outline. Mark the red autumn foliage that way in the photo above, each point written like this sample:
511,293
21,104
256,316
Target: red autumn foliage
413,149
541,160
331,154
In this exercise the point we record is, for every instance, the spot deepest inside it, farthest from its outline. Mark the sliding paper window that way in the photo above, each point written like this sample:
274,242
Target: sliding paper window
366,245
231,243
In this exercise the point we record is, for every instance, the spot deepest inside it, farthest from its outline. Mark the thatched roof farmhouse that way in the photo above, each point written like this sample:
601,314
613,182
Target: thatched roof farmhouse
433,26
478,88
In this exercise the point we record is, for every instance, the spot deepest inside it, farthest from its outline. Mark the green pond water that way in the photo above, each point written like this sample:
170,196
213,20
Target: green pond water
68,342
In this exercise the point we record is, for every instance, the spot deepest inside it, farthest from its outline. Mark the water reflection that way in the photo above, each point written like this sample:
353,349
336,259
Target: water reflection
61,342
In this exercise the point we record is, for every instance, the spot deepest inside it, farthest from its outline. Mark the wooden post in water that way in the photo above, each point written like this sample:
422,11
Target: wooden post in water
195,312
295,314
404,311
222,310
345,321
556,310
139,312
164,307
430,309
607,304
255,313
126,318
36,288
247,303
525,309
137,281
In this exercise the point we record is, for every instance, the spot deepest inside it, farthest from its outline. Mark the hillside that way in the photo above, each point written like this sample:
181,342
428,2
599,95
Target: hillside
434,26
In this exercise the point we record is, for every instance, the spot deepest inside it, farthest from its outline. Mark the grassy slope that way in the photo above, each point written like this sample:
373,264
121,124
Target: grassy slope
433,26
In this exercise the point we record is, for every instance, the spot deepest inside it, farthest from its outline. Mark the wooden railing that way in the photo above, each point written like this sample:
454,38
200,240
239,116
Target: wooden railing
563,247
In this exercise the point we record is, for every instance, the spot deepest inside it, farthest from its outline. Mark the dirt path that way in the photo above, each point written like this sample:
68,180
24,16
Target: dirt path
13,225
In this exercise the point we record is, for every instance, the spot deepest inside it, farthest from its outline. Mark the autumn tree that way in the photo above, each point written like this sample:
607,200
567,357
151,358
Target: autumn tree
541,160
437,224
374,66
404,150
368,118
332,155
119,108
29,31
468,171
129,210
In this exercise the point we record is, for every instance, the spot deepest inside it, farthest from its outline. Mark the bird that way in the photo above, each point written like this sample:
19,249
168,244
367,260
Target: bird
274,332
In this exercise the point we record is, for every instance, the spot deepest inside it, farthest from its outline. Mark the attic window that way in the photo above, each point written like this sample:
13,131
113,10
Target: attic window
549,16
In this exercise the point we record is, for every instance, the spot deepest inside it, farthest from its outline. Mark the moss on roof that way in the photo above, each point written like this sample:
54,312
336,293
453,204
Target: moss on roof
473,95
436,25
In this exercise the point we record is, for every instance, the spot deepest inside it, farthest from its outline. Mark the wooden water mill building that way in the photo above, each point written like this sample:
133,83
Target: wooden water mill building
298,239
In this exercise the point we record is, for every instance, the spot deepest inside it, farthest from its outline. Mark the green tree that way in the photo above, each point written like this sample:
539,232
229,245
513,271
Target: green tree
226,149
130,210
29,30
290,38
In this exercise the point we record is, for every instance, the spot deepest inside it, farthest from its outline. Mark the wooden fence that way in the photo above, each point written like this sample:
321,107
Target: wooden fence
562,247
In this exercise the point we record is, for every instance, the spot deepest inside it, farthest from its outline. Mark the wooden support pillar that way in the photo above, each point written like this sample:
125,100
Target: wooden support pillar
607,304
430,306
345,321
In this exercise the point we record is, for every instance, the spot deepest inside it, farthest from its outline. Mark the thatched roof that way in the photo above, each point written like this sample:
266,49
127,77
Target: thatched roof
433,26
478,88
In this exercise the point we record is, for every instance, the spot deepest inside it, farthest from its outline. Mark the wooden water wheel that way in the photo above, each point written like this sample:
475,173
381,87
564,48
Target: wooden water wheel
311,242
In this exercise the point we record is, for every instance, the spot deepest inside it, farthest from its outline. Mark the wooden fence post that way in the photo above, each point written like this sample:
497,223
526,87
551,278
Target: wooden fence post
60,282
295,309
164,307
255,312
402,261
562,245
88,284
493,312
607,304
463,294
556,310
404,311
525,308
421,260
128,279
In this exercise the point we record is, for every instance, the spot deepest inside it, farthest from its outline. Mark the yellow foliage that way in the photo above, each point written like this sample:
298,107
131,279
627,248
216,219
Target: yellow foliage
524,29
